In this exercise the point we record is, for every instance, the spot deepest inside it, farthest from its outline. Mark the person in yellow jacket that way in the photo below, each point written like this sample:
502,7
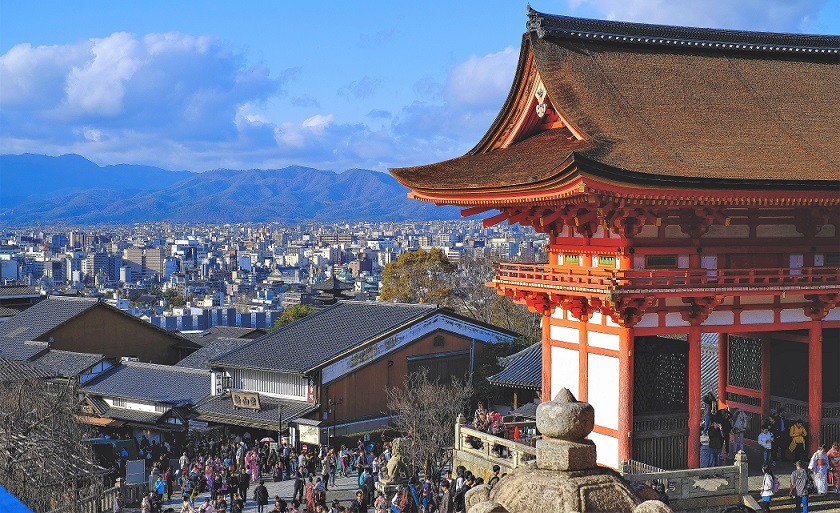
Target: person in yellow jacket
797,440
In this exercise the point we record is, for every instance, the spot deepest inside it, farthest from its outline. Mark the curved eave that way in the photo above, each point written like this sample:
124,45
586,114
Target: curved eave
579,177
509,110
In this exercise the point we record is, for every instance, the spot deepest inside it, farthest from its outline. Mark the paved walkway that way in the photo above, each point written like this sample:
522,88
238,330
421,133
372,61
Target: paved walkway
344,490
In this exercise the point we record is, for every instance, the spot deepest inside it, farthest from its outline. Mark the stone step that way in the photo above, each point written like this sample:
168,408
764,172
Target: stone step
828,503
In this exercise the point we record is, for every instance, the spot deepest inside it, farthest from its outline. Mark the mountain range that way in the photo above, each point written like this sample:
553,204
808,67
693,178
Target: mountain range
74,190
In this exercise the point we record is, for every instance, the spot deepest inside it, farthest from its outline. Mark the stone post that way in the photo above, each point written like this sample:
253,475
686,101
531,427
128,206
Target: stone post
459,421
743,472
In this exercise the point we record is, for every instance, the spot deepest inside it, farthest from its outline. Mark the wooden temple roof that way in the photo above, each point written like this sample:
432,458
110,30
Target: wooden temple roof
650,106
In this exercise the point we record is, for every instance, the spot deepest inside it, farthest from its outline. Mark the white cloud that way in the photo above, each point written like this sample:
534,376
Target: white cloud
98,86
482,80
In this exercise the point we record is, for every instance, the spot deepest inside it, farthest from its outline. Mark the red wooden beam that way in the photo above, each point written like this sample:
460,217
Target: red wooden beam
474,210
496,219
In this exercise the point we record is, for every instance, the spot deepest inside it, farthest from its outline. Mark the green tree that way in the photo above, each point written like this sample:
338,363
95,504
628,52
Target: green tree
418,277
292,314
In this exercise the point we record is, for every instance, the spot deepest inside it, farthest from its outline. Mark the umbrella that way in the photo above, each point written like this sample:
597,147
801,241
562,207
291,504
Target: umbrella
267,439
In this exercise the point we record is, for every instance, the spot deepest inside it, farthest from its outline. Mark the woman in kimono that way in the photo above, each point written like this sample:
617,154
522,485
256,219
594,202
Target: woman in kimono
834,464
819,466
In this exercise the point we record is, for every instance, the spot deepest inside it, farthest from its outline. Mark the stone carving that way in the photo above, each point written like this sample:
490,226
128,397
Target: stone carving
565,477
396,472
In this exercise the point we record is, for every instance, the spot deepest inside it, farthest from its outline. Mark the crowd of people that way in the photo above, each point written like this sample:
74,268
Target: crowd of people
780,439
213,476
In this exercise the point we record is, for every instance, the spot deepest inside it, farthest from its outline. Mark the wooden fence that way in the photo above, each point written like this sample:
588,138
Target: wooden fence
104,501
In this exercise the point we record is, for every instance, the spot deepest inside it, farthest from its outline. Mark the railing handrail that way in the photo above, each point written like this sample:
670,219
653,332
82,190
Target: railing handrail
615,279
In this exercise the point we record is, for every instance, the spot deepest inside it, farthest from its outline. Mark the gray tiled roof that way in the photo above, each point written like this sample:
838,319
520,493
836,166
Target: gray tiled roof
310,341
10,291
145,417
22,350
14,370
215,349
41,318
522,370
213,333
220,409
152,382
8,312
68,363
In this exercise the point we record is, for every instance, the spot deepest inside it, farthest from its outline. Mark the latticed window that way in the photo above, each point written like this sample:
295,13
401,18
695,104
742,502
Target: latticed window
660,376
661,261
606,261
745,363
571,259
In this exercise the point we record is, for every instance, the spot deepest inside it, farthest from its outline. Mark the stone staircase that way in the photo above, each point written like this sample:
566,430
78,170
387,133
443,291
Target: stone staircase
829,503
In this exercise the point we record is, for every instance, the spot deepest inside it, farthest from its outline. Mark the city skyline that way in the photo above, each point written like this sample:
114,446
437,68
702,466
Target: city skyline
205,86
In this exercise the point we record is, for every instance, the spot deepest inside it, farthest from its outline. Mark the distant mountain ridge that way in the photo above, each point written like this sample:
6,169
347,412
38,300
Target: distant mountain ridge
72,189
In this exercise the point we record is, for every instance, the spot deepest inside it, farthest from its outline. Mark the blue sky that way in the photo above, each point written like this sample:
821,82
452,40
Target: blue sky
266,84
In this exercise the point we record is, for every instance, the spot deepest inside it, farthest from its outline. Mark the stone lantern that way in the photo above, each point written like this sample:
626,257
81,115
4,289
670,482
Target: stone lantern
565,477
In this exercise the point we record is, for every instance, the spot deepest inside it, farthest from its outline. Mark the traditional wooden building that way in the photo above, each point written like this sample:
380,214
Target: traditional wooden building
327,374
87,325
689,180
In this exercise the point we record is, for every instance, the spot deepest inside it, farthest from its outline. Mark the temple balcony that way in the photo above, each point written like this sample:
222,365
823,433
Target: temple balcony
544,277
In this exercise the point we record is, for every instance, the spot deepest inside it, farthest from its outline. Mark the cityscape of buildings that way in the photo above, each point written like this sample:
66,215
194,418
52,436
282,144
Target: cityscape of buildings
193,277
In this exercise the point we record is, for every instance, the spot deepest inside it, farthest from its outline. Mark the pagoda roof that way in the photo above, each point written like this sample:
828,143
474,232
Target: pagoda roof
332,284
653,106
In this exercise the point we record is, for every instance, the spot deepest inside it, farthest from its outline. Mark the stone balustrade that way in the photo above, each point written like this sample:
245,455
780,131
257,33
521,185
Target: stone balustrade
700,488
479,451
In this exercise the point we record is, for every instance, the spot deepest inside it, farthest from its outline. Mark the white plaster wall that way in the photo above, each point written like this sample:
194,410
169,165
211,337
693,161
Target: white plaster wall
833,315
564,334
720,318
565,370
558,313
607,449
602,340
675,319
611,322
596,318
650,320
603,387
756,316
793,315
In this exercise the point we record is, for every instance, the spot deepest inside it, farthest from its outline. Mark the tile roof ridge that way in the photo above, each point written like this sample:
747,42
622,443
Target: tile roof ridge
64,351
150,365
74,298
388,303
625,32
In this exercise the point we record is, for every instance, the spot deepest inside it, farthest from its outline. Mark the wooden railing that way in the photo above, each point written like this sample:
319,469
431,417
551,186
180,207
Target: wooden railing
494,450
103,502
554,276
661,440
693,486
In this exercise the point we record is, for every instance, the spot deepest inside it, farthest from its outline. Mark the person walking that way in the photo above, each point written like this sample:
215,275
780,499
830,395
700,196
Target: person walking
797,440
799,487
819,466
765,440
300,484
769,486
261,496
739,427
834,466
446,505
715,444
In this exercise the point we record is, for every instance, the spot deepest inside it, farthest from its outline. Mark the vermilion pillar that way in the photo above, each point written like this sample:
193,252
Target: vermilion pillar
815,385
626,365
694,397
765,378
